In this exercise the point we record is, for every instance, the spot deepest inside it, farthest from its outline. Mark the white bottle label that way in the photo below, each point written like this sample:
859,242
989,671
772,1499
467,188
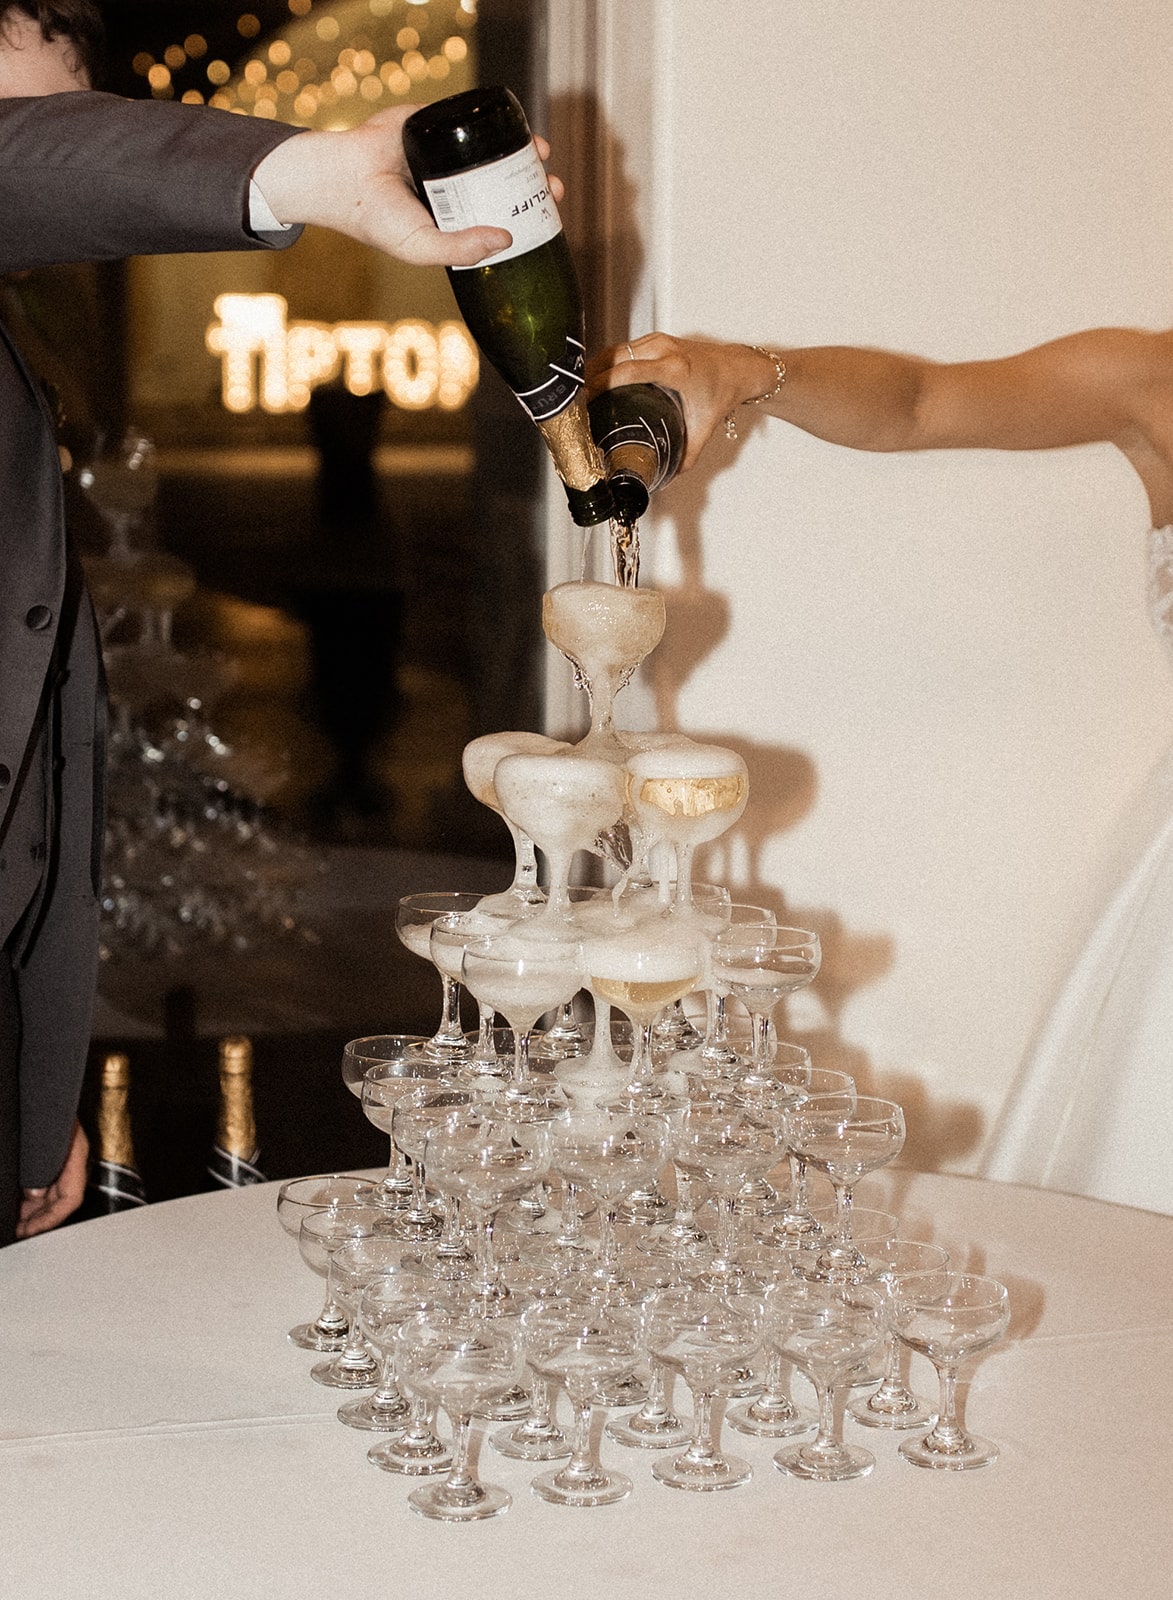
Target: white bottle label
511,193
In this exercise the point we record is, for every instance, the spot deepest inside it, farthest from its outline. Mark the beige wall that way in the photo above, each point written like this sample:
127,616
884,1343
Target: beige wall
940,666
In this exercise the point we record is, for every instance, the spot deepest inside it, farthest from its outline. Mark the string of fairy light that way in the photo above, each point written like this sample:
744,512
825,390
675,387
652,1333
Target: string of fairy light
326,73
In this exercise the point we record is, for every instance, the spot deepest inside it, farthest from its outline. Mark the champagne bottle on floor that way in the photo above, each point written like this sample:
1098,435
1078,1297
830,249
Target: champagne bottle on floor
474,161
115,1184
233,1162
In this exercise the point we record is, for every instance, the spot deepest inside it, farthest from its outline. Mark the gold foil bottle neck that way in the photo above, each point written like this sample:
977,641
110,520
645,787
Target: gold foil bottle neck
236,1128
115,1143
574,452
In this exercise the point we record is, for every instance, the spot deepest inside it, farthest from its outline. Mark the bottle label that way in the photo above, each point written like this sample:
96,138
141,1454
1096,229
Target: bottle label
511,193
562,382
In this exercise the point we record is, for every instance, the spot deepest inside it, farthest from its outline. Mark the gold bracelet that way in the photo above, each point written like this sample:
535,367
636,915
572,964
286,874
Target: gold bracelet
759,399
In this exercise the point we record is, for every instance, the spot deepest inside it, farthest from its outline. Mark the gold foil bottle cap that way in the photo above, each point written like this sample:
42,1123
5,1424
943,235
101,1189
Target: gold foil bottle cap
116,1072
236,1056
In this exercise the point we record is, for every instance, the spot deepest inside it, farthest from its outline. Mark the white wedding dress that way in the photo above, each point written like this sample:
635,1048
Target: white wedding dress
1092,1109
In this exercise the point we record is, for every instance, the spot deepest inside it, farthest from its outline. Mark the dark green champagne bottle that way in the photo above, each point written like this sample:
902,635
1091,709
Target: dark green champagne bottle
474,161
639,427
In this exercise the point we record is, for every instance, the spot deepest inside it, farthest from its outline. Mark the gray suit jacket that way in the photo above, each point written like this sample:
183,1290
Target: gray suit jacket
83,177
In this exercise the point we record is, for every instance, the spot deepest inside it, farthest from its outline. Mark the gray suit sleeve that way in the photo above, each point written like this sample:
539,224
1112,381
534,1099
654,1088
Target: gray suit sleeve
92,177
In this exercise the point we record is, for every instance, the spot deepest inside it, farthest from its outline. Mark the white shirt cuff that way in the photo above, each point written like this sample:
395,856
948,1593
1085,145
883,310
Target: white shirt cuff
260,217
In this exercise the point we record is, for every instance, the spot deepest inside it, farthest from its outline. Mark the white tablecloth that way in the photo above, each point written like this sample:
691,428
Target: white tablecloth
159,1437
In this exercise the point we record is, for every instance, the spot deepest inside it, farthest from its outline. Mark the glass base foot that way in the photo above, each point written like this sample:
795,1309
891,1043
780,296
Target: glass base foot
371,1418
977,1453
765,1421
717,1472
411,1460
439,1503
332,1376
638,1432
514,1443
597,1488
307,1336
825,1466
914,1414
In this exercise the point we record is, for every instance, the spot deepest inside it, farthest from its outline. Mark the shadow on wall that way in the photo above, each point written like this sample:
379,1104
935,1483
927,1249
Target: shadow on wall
784,789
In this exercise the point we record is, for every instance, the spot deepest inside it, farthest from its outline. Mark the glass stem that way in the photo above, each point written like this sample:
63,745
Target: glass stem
582,1461
726,1229
521,1038
419,1423
685,1207
608,1245
825,1438
332,1320
419,1193
486,1258
644,1068
525,877
572,1232
947,1433
655,1406
449,1031
842,1211
762,1028
684,854
451,1241
460,1484
701,1448
388,1393
486,1051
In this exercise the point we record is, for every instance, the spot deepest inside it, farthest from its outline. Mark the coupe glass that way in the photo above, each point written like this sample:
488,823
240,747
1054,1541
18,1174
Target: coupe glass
641,972
486,1160
450,937
727,1146
479,763
459,1363
356,1265
574,1343
755,922
562,800
321,1235
828,1331
768,1091
759,967
683,794
654,1426
522,977
949,1316
414,917
388,1301
612,1153
888,1262
397,1057
296,1199
422,1111
796,1220
846,1136
707,1338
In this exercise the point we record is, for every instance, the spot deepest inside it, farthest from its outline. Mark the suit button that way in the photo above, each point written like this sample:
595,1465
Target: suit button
5,776
38,618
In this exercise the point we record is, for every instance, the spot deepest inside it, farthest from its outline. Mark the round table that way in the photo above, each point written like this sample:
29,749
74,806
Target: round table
160,1436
